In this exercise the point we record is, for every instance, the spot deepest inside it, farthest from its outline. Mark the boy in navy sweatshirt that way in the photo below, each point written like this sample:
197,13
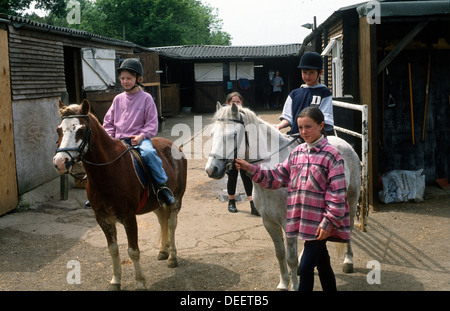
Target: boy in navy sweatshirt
312,93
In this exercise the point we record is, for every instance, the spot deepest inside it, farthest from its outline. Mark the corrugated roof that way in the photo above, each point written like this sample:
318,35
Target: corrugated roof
21,22
221,52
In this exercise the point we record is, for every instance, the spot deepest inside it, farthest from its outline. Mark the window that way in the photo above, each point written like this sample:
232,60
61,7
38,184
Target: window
208,72
98,68
335,48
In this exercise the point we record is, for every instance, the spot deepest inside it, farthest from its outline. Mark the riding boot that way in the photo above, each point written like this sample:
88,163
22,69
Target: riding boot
165,194
253,208
232,206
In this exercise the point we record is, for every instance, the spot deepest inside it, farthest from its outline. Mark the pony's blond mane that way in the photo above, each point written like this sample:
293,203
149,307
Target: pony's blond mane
70,110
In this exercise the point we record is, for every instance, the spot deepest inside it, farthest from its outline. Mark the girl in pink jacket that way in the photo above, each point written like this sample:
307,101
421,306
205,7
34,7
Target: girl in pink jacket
317,206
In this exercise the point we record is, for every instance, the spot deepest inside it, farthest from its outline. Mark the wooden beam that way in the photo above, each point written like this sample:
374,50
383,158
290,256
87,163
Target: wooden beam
400,46
368,96
8,175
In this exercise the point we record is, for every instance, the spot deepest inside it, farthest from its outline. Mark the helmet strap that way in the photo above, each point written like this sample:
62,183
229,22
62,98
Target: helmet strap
130,89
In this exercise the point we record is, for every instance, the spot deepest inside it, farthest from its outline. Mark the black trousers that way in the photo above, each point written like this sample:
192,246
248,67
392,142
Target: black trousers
232,181
315,254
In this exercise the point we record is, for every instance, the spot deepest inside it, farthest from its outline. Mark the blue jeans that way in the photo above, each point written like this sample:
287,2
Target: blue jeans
150,156
315,254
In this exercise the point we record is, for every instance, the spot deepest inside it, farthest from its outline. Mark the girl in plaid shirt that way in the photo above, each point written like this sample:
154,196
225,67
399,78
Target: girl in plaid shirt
317,207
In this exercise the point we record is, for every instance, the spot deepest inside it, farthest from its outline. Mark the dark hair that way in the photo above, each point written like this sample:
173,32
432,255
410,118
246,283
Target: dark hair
313,113
231,95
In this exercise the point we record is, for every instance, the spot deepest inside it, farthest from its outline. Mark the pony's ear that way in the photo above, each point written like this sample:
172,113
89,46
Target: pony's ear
85,107
218,106
234,109
61,107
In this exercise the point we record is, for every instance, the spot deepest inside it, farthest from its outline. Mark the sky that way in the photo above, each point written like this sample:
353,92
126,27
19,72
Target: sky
263,22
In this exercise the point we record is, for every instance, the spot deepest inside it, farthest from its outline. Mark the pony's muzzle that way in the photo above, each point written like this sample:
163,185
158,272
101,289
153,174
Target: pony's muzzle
214,171
62,164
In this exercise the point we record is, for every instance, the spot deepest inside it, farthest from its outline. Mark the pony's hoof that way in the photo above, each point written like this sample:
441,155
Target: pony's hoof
114,287
347,268
282,286
163,255
140,286
172,263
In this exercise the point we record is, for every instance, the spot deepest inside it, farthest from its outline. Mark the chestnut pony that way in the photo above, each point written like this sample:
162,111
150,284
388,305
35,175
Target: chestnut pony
113,189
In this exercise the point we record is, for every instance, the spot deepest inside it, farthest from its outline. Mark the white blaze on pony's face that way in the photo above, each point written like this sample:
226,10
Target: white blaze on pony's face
227,139
71,133
228,143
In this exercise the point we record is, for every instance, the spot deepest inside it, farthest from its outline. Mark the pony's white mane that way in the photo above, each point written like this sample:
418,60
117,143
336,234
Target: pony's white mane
249,117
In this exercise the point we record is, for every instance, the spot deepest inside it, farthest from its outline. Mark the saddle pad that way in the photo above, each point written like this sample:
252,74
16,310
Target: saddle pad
138,170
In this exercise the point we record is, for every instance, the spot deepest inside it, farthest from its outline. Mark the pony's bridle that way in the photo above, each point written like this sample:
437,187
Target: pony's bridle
85,144
230,162
81,148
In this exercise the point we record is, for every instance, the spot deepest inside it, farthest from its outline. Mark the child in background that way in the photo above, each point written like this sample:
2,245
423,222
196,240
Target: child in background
237,98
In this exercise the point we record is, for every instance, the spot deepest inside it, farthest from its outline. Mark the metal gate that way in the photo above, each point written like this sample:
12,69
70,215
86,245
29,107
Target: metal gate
363,212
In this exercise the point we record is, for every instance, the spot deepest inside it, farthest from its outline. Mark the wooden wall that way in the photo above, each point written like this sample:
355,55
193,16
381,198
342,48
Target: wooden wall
170,99
38,77
37,66
8,179
150,62
100,103
207,94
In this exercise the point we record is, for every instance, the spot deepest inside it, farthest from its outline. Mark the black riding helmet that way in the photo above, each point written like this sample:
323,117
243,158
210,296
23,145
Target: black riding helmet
132,64
311,60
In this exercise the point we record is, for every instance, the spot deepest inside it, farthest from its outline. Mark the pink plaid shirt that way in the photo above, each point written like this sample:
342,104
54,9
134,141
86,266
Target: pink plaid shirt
317,194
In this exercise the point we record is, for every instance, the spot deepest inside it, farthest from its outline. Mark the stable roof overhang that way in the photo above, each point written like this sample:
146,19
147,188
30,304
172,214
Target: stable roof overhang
408,8
218,52
25,23
388,11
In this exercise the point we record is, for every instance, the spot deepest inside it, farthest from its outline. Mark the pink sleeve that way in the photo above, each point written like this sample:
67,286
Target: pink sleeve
150,128
336,205
274,178
108,121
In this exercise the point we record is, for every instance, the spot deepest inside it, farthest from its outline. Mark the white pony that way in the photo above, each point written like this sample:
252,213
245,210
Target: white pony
238,133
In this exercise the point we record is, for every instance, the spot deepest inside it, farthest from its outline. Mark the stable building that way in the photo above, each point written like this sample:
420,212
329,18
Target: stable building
394,57
205,74
40,64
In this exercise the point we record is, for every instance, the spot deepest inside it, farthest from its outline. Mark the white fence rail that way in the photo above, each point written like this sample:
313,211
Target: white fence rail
364,136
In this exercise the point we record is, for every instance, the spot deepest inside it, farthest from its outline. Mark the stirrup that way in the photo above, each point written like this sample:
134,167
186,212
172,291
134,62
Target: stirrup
160,189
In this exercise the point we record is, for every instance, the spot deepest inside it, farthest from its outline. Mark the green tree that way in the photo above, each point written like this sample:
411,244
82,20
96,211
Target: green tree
15,7
162,22
149,23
